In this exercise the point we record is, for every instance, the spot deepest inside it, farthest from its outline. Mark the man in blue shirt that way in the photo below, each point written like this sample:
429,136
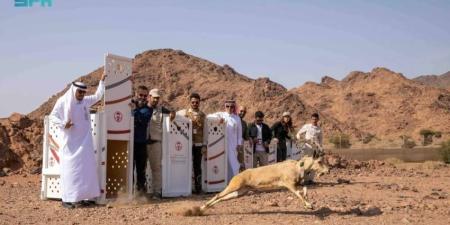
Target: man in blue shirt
142,114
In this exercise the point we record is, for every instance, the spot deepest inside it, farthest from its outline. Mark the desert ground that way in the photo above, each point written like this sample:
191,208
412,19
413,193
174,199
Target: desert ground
373,192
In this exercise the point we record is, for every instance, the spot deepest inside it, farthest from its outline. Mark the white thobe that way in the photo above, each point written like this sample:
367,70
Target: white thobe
79,179
234,138
313,134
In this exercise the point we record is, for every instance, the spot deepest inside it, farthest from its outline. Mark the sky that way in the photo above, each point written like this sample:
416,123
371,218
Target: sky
291,42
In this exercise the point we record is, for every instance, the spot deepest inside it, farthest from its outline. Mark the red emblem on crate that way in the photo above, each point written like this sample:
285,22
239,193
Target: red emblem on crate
118,116
178,146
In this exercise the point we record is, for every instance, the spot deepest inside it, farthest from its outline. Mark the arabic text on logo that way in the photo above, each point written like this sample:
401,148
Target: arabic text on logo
31,3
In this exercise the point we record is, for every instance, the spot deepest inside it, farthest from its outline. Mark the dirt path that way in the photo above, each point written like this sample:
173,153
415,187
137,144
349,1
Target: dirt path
383,195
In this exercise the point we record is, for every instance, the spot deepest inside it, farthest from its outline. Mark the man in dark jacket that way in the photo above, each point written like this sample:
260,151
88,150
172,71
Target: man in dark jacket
261,135
142,114
282,130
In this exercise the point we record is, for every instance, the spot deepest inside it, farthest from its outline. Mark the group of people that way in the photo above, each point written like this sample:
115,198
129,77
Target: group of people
148,136
79,183
260,135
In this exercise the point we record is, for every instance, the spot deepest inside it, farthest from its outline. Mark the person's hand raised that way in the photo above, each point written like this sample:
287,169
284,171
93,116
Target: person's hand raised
172,115
68,125
103,76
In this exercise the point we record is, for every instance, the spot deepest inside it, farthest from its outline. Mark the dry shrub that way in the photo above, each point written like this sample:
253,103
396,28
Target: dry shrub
394,161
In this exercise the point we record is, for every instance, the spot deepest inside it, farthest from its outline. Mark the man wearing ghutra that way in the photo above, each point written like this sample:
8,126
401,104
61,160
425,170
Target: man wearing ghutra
234,136
79,181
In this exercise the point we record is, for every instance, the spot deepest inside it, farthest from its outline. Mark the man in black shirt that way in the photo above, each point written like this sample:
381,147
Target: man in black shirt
261,135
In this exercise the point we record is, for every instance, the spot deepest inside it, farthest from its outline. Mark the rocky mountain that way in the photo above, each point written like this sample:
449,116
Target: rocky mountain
20,142
381,102
440,81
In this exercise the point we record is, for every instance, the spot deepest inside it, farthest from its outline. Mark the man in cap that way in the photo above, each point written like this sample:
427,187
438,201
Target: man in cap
199,136
282,131
154,147
234,136
79,181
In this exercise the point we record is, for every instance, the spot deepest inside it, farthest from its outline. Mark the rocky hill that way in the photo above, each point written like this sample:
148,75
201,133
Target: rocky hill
381,102
20,143
440,81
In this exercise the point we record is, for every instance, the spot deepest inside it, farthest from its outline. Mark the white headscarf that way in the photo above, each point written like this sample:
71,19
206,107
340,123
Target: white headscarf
69,99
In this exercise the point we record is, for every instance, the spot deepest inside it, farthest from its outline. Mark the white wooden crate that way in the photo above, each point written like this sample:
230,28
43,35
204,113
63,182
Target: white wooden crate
177,157
215,167
118,94
119,126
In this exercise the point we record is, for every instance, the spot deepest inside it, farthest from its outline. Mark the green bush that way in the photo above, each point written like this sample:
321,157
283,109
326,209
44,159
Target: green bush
438,134
445,151
340,141
426,132
427,136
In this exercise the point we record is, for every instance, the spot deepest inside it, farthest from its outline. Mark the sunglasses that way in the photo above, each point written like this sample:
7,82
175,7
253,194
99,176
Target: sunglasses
81,92
142,95
195,102
229,106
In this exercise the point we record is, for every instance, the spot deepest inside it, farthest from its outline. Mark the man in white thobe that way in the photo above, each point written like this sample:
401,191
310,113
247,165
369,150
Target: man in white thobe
234,136
313,141
79,181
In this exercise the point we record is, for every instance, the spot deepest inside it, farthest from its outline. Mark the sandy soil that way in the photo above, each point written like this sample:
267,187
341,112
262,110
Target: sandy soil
385,194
